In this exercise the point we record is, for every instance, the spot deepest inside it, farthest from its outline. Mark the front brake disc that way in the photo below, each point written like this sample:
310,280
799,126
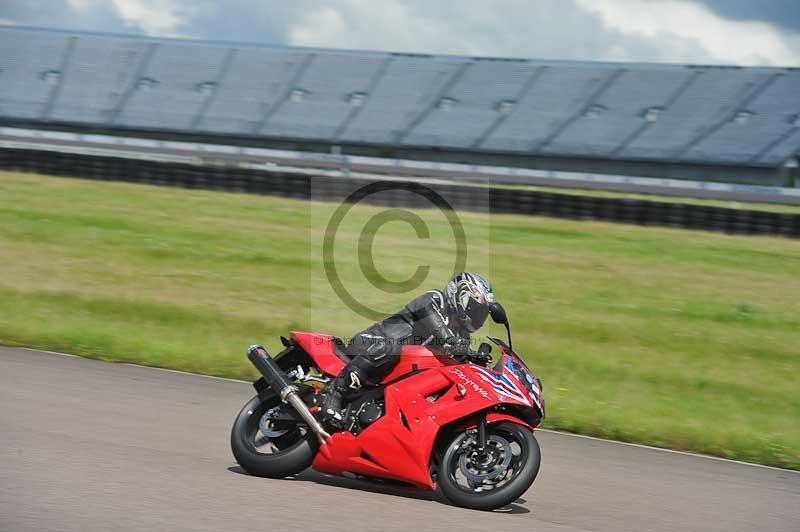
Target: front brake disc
479,472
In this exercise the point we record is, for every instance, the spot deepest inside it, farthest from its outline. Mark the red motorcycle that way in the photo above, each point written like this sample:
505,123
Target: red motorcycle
434,420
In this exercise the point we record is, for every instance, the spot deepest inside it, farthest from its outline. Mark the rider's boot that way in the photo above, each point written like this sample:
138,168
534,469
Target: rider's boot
332,404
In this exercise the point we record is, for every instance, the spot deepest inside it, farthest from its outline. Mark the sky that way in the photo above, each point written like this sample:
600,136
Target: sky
737,32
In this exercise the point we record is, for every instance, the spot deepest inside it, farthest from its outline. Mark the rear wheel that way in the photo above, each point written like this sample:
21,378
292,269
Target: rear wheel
495,476
268,447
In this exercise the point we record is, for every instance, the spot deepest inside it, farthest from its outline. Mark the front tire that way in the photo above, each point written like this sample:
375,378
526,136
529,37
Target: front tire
495,478
292,451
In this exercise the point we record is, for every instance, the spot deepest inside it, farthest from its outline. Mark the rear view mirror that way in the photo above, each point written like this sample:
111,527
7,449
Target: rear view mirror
498,313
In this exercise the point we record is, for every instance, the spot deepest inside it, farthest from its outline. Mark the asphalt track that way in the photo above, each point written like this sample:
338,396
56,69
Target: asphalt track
93,446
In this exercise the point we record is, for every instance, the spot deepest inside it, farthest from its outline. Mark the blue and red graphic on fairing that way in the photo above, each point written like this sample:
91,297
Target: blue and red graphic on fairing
515,370
504,385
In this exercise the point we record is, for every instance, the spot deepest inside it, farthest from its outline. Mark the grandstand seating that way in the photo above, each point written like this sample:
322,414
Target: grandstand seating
681,113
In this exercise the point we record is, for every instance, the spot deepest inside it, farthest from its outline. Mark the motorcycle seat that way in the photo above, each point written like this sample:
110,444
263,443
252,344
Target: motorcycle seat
338,349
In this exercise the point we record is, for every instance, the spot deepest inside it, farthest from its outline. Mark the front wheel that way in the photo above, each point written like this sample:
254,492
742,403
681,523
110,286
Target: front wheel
495,476
266,444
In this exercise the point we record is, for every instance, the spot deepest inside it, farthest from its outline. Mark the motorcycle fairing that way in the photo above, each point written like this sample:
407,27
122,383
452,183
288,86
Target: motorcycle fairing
416,358
399,444
321,348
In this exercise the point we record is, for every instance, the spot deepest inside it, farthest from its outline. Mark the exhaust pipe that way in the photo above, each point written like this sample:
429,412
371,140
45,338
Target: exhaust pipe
286,390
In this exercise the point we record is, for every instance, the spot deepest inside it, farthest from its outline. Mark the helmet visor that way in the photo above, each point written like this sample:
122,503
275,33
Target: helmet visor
475,314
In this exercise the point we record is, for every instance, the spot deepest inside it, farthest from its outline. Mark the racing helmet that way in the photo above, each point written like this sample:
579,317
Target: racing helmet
469,296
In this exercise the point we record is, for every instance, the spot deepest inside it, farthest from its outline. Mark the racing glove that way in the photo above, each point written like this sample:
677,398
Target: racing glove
459,347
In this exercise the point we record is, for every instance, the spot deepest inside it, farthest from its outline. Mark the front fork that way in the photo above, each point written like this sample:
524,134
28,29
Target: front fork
482,432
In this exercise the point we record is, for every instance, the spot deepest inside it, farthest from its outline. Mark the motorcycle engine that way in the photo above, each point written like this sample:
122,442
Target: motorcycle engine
366,414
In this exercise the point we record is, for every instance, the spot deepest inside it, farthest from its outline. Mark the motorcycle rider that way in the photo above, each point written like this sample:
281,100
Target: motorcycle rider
441,320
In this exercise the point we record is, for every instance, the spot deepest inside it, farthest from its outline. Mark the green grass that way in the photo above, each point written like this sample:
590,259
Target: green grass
681,339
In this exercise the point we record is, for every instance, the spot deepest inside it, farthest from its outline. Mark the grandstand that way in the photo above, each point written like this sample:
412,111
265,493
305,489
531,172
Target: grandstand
679,121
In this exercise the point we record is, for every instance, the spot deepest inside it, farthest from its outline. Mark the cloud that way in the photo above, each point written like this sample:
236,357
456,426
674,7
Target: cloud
393,25
155,17
781,13
320,26
80,5
678,31
547,29
152,17
722,40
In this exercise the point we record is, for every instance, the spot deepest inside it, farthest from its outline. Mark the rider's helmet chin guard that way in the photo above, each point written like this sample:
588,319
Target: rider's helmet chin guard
469,295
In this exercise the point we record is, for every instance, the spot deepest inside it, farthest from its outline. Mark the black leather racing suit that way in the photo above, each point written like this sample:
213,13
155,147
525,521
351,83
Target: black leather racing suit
426,320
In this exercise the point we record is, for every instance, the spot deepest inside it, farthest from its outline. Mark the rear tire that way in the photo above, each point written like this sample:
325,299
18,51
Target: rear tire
519,472
295,451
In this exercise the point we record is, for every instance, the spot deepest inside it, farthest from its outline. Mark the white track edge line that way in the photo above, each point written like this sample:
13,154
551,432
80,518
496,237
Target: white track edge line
673,451
129,364
583,436
185,372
